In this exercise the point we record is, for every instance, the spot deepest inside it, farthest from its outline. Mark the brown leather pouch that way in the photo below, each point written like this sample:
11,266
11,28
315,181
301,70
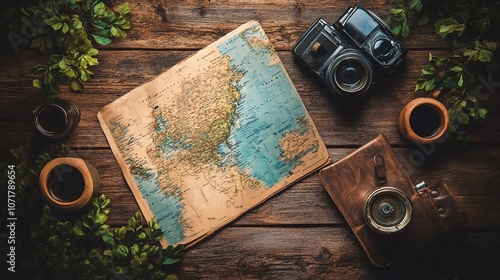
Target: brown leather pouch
352,179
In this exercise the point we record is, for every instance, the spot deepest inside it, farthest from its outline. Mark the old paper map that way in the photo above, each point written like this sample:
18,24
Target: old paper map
212,137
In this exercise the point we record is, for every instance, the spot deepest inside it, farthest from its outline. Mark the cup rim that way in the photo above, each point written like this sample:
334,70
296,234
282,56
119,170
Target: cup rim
44,131
81,166
71,114
438,106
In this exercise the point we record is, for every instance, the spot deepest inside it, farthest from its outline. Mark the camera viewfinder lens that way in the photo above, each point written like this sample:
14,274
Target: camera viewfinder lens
383,49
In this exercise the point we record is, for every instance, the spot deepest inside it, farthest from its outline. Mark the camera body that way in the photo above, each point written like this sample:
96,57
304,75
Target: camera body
389,214
350,56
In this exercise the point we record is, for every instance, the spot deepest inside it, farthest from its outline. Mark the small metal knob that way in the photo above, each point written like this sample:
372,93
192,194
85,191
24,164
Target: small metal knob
420,186
316,46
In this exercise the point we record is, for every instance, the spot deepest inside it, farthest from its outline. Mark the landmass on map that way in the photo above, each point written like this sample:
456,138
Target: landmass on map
212,137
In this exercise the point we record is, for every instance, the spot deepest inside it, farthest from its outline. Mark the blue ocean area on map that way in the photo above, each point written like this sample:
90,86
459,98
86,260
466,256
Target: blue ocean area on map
266,111
213,137
167,207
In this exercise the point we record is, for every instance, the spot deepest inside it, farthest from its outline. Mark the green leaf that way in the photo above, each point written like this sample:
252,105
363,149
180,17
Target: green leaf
77,24
489,45
101,218
124,9
122,251
37,83
57,26
110,241
460,81
415,5
448,26
91,60
463,118
396,29
92,52
485,55
169,261
65,28
482,113
405,29
430,85
134,249
132,222
78,231
141,236
62,64
76,85
472,54
99,9
101,40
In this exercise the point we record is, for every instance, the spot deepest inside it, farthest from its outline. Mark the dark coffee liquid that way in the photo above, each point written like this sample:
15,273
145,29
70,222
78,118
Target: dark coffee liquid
65,183
52,119
425,121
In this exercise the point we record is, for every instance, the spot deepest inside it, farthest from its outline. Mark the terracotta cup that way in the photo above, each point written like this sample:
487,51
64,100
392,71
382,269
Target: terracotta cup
424,119
68,183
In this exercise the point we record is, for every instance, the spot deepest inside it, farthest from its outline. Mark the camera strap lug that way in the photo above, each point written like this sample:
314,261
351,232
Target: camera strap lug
380,171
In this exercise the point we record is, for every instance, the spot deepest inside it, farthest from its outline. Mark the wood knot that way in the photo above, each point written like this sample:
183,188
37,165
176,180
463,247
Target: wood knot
203,11
159,10
324,256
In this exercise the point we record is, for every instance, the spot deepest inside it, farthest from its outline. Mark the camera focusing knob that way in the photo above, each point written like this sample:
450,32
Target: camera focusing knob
386,209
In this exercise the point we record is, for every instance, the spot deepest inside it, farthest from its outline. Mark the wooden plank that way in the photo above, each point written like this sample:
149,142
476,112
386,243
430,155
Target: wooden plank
299,233
333,253
193,24
308,203
117,75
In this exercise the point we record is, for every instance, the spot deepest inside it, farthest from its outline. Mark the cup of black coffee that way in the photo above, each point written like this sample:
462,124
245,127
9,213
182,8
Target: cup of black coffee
68,183
423,120
56,118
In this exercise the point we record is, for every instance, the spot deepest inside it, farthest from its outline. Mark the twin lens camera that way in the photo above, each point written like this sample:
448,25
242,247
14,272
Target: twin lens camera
350,56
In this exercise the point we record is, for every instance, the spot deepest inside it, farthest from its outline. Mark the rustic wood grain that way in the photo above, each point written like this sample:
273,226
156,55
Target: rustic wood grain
118,74
307,202
158,24
333,253
299,233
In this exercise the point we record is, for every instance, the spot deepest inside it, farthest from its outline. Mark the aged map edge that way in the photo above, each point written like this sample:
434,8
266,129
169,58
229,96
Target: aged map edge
141,201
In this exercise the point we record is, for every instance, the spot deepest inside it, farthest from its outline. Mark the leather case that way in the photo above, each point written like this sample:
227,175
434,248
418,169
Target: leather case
349,182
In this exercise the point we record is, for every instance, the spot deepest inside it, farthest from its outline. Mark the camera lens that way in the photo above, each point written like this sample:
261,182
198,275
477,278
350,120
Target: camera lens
388,210
383,49
350,73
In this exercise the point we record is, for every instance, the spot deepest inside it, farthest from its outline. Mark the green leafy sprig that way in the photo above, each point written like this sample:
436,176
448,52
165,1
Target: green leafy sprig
84,248
469,25
62,27
89,249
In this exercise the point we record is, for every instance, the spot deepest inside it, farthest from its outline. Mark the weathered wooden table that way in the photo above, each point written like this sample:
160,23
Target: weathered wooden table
299,233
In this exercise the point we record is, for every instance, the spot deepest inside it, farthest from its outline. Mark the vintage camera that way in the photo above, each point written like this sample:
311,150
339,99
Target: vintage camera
352,55
389,214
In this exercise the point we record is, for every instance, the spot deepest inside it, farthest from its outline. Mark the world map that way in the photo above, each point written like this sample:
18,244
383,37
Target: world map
213,136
